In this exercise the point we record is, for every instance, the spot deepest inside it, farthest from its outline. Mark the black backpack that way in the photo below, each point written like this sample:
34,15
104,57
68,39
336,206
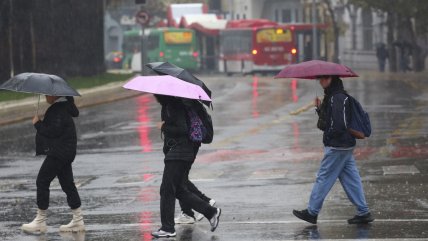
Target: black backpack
208,124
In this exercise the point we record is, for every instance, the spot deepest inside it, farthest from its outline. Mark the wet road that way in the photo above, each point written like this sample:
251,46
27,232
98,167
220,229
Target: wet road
260,166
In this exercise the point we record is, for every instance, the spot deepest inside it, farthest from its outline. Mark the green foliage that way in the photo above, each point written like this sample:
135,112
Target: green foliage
416,9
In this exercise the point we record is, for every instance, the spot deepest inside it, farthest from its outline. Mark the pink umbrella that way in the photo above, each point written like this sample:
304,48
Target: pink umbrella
312,69
167,85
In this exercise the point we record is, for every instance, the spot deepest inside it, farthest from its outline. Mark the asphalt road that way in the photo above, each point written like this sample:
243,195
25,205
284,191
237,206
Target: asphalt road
260,166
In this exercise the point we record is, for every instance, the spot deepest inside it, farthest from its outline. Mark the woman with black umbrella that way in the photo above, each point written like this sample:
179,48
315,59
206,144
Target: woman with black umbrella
56,138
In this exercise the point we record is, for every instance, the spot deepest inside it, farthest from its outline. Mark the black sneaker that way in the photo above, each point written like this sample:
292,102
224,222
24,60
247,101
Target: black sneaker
215,220
306,216
163,234
367,218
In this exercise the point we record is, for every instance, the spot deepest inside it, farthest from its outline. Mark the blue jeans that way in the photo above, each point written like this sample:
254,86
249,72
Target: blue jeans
338,164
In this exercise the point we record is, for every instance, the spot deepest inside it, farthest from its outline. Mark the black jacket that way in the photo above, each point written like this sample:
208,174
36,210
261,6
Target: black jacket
338,114
177,145
56,134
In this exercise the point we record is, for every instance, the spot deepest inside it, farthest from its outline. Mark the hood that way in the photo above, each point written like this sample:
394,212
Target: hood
71,107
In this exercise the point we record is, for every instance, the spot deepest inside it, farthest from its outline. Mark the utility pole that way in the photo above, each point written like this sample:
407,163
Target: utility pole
11,18
314,32
143,19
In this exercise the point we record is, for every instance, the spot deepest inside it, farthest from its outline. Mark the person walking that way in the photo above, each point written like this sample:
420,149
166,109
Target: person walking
338,161
382,55
179,153
56,138
187,215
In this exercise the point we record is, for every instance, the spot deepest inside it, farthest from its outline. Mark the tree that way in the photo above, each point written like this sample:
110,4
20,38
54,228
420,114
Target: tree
336,29
59,37
407,23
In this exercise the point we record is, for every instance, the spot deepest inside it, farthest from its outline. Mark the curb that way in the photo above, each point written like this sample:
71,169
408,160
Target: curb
22,110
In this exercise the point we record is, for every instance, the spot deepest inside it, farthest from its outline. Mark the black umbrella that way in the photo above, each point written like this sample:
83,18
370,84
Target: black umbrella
42,84
166,68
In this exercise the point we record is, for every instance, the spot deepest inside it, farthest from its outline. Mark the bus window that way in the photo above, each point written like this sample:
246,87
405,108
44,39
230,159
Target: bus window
153,42
178,37
236,42
273,35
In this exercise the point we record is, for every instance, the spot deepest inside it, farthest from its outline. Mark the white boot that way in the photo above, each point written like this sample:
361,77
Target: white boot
38,224
76,224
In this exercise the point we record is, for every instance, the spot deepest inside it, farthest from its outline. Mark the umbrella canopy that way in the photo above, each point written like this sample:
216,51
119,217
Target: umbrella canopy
38,83
167,85
312,69
166,68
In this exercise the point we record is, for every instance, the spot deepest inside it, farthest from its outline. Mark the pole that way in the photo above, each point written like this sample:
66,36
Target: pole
143,51
11,21
38,105
314,32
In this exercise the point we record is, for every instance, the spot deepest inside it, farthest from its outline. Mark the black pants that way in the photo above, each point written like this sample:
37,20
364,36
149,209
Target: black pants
51,168
174,185
192,188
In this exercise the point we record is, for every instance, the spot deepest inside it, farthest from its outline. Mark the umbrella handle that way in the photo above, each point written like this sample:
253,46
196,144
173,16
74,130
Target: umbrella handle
38,105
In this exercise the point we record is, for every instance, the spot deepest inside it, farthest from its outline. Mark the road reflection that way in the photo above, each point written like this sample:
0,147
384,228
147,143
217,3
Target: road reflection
143,103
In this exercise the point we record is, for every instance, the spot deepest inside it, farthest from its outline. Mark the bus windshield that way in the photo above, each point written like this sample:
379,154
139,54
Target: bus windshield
173,38
236,42
273,35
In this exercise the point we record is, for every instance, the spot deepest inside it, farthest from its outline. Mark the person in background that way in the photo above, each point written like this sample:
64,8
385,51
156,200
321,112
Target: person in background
382,56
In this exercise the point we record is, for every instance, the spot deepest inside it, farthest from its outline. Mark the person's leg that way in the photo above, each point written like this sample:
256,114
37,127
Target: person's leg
351,182
186,209
48,171
382,65
331,167
193,189
172,177
193,201
66,180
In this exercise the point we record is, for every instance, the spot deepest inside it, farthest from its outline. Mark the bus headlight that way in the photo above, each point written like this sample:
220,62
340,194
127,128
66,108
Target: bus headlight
294,51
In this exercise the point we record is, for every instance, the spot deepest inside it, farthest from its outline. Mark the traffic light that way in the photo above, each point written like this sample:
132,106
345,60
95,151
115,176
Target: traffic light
140,1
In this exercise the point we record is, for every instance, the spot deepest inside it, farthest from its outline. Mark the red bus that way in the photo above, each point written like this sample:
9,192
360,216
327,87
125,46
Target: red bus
249,46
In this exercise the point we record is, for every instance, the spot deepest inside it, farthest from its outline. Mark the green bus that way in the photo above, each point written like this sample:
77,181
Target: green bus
177,46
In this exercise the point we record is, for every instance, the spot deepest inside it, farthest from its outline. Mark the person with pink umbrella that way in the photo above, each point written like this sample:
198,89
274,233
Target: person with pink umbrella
336,113
179,148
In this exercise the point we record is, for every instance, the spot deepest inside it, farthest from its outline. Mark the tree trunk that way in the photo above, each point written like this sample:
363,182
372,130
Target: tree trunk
335,31
390,21
418,52
352,10
5,61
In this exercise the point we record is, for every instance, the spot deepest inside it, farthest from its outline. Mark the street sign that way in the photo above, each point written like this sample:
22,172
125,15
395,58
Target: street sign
142,18
140,1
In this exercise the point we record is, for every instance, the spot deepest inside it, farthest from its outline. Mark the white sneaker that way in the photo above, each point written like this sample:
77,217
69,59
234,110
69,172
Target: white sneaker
163,234
38,224
76,224
184,219
200,216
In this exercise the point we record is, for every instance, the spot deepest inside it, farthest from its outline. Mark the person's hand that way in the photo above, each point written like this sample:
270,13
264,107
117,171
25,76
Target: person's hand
160,124
317,102
36,119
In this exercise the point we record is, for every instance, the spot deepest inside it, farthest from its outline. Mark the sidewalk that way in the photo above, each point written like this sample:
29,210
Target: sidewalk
20,110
